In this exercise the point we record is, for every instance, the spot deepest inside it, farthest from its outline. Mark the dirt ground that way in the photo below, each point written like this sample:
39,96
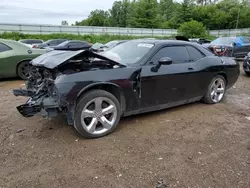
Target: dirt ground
195,145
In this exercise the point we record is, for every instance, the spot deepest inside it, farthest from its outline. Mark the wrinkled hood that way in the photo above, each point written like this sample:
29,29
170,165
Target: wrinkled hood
56,58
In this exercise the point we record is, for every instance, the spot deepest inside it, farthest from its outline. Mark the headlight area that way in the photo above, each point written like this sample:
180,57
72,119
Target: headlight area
46,105
44,99
47,96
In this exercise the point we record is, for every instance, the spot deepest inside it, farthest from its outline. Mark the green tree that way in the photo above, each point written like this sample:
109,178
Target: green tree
145,14
96,18
192,29
214,14
119,13
181,14
166,7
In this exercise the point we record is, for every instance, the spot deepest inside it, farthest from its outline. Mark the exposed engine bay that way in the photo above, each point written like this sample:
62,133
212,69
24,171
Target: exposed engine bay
40,86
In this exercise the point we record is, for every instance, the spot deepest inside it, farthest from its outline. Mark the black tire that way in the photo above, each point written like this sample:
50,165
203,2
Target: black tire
208,98
83,101
247,73
22,70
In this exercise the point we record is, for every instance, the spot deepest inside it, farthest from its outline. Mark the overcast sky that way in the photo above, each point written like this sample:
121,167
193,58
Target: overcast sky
49,11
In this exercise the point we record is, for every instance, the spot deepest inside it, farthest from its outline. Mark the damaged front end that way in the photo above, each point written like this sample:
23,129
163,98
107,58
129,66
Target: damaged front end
41,90
47,92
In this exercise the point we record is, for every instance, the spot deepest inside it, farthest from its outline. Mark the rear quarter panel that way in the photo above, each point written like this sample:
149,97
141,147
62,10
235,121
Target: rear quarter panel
211,66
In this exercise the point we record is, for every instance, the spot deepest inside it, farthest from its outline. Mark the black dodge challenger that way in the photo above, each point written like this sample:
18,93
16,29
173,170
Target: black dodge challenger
96,90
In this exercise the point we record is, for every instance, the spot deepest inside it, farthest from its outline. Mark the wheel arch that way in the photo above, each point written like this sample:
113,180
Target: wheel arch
224,76
106,86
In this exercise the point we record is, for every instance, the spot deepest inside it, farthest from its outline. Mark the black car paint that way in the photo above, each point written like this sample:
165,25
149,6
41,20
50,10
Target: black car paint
139,89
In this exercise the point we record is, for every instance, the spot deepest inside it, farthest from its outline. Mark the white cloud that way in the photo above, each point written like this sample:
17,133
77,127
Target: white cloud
49,11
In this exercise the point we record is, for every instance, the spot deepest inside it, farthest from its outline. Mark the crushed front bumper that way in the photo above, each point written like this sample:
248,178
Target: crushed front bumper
28,110
45,106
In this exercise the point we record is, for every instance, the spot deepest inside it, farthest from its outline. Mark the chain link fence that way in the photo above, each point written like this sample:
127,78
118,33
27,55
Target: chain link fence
82,30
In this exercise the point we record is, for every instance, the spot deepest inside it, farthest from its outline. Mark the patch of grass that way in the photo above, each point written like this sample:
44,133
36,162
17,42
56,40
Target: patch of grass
89,38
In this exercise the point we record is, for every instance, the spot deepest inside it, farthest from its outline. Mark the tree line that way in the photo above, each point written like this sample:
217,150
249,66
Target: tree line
166,14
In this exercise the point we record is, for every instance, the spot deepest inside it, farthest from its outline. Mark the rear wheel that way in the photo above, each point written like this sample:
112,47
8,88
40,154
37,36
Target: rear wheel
216,90
247,73
23,70
97,114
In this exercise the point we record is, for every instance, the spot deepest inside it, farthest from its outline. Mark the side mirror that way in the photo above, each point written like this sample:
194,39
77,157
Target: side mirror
162,61
165,61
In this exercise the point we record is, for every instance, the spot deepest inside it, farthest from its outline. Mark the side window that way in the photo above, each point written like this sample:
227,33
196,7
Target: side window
178,54
194,53
4,47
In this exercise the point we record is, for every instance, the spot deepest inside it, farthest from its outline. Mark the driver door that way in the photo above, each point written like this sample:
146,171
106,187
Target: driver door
172,84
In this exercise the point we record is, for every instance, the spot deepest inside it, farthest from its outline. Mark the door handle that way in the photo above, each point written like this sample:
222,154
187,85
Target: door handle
190,68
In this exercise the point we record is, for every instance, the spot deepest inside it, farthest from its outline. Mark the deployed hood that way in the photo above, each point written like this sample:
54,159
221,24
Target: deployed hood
57,58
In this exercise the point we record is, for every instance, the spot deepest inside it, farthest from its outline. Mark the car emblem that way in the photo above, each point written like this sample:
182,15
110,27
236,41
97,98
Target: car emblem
29,51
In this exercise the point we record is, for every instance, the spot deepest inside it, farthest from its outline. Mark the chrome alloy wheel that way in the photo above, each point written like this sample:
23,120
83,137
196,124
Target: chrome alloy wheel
217,90
99,115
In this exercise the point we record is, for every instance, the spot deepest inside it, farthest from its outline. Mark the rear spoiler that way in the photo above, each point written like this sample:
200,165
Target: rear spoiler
181,38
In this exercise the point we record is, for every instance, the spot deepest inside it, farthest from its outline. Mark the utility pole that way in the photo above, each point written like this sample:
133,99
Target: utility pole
237,22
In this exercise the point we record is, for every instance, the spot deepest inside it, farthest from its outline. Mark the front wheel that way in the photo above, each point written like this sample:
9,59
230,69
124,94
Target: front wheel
97,114
216,90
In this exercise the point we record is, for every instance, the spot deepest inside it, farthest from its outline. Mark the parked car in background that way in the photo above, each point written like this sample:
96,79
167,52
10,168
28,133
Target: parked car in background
50,43
200,40
73,45
111,45
31,42
246,64
96,89
15,58
230,46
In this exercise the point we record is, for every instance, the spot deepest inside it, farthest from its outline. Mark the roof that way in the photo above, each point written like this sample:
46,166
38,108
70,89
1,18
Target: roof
159,41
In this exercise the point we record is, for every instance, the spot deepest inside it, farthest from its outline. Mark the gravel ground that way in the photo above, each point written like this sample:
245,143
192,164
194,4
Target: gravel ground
195,145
